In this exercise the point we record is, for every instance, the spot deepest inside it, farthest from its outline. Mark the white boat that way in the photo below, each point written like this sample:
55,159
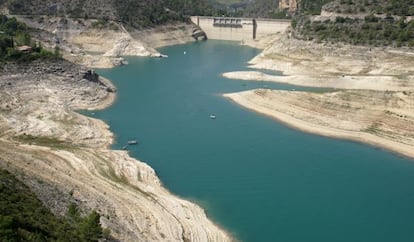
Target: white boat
132,142
212,116
159,55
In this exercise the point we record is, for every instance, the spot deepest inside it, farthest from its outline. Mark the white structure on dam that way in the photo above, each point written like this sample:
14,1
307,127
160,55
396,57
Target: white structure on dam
238,29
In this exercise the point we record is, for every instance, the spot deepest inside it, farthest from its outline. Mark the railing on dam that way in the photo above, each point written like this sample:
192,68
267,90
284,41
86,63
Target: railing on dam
227,22
238,29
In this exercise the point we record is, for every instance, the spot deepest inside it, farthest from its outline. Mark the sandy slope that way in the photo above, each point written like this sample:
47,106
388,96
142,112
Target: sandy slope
42,138
373,101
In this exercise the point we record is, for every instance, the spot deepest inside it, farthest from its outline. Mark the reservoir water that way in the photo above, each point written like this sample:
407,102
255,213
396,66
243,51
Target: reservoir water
259,179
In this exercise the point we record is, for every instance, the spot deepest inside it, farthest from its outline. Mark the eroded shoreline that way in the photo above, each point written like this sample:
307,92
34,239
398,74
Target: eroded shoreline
65,157
372,101
298,120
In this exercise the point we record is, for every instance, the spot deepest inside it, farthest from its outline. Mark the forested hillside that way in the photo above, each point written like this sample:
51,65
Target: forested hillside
360,22
24,218
391,7
137,13
143,13
311,7
251,8
264,9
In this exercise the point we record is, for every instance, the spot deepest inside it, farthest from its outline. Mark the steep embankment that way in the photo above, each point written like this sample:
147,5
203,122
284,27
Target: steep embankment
64,156
101,43
377,108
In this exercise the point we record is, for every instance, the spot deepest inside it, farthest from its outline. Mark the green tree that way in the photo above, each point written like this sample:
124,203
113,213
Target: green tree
90,228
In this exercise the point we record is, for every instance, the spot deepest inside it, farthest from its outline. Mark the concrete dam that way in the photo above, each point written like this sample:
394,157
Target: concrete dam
238,29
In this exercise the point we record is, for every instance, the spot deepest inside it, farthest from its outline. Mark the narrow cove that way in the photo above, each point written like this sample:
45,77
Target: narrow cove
258,179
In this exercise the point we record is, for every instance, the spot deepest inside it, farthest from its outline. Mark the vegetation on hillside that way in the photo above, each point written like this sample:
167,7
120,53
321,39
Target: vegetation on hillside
391,7
136,13
251,8
140,13
143,13
371,30
265,9
24,218
14,34
228,7
360,22
311,7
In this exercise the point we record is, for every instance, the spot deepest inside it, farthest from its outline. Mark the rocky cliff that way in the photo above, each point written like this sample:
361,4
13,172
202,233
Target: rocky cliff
292,5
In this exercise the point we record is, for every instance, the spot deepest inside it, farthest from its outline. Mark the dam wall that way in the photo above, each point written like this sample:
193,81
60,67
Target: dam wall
238,29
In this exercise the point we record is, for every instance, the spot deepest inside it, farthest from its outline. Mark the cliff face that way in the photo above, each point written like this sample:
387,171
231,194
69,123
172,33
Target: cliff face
45,141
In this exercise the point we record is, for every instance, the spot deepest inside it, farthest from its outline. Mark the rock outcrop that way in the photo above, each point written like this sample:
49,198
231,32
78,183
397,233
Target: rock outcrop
292,5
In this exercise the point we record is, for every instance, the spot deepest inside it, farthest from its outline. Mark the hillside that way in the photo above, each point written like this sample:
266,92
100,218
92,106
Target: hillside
251,8
141,13
137,13
359,22
24,218
264,9
311,7
14,35
390,7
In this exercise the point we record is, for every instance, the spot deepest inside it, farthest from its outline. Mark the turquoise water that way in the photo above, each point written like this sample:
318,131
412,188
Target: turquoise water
258,179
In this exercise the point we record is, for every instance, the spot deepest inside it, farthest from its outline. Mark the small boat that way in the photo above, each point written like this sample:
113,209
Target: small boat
159,55
212,116
132,142
124,147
